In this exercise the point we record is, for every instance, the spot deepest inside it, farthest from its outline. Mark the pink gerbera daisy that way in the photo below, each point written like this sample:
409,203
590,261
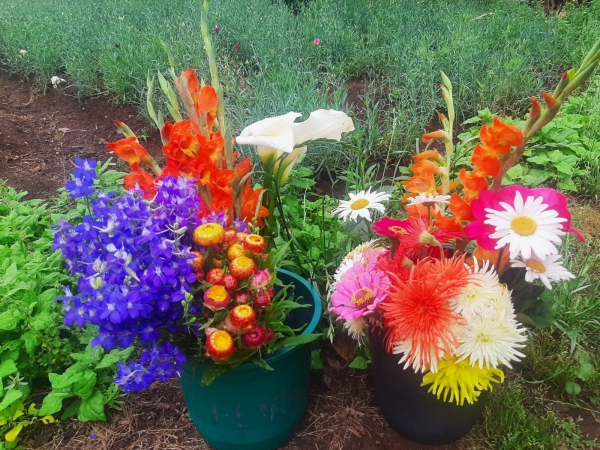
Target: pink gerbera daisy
359,291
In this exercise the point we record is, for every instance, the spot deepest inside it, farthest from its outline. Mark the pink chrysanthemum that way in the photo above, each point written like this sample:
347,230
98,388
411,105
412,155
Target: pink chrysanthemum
359,292
548,210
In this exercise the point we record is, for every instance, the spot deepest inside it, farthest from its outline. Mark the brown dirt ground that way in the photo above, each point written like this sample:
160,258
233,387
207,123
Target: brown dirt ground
40,135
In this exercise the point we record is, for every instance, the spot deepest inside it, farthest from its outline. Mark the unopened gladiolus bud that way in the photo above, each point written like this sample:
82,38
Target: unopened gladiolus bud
243,316
214,276
441,116
230,237
242,268
255,243
235,251
209,234
230,282
262,301
550,101
216,297
255,337
220,345
243,296
439,134
198,262
536,108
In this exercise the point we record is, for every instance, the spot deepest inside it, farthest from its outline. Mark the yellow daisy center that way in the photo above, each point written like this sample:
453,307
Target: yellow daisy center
359,204
523,225
222,340
217,294
363,297
536,265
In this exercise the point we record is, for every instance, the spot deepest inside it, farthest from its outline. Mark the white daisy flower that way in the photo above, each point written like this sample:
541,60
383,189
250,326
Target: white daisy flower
527,226
423,198
356,328
490,340
544,269
360,204
22,52
480,293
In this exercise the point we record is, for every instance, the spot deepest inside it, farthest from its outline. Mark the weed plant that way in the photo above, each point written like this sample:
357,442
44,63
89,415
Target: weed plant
497,53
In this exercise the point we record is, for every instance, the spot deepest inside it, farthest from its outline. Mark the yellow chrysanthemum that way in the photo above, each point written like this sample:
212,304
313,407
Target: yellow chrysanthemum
461,381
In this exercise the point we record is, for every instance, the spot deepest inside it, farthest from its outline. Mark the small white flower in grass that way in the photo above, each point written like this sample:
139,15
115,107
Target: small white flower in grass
544,269
423,198
527,226
22,52
360,204
480,293
491,339
56,81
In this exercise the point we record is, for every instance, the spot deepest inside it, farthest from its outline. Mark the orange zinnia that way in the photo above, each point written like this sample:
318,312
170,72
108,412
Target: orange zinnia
501,137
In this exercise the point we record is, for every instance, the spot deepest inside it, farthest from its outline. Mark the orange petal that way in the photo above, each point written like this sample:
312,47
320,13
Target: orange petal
207,100
460,208
536,109
429,154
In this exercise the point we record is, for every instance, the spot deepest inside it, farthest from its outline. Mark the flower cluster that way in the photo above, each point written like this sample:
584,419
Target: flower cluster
133,268
237,287
441,278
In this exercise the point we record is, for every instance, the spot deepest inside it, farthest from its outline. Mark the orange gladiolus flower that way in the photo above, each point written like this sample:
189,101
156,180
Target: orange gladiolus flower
141,179
424,183
183,144
250,199
429,154
472,185
500,136
207,100
130,150
536,108
550,101
425,165
448,224
486,165
461,209
439,134
193,84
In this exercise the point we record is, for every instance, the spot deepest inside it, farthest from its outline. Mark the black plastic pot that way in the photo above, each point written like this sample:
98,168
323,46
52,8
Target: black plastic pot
409,409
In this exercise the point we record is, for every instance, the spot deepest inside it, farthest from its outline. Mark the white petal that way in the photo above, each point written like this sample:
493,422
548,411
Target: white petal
279,136
322,124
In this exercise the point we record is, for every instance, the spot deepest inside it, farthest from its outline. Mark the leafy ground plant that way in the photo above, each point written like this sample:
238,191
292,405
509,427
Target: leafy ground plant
36,351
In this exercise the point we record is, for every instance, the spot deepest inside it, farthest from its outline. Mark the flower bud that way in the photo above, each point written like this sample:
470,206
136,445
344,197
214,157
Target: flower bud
242,267
243,316
255,243
255,337
209,234
235,251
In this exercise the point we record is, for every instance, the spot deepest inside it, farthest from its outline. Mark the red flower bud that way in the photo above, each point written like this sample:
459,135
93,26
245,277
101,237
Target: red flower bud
262,301
255,337
230,282
214,276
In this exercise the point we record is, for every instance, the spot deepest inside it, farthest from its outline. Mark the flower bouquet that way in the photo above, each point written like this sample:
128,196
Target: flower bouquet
447,286
178,264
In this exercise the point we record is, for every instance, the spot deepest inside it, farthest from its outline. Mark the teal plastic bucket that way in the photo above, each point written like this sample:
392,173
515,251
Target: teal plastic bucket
252,408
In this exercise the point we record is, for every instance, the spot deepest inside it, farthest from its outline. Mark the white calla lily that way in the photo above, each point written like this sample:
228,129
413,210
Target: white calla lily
276,136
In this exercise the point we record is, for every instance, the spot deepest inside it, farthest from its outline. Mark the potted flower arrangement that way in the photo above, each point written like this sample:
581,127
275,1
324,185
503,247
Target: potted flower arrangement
179,265
452,277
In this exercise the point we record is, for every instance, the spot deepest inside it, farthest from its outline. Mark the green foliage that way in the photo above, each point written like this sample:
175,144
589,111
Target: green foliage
36,350
318,241
511,424
499,53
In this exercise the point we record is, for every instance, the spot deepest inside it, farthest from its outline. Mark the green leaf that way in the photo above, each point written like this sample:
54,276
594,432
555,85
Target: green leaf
359,363
85,386
572,388
292,341
114,357
71,410
536,177
261,362
31,341
315,360
567,184
92,408
212,372
8,321
53,403
71,375
10,397
540,313
7,367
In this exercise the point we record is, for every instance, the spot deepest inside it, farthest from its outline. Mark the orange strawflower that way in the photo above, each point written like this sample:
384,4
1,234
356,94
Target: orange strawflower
500,136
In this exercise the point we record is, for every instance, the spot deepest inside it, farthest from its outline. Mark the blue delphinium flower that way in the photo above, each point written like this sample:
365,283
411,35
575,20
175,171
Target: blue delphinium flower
83,178
133,267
